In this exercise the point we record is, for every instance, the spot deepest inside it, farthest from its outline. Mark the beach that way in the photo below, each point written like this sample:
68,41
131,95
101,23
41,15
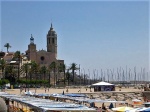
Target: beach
82,90
70,90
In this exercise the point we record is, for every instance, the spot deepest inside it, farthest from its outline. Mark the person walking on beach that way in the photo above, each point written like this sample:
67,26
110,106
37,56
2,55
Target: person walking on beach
67,90
103,108
90,89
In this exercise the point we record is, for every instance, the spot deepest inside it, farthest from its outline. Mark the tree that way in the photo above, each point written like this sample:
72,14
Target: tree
3,82
64,71
25,68
17,55
73,68
62,68
53,66
49,76
2,66
10,74
7,45
68,76
17,58
34,69
43,70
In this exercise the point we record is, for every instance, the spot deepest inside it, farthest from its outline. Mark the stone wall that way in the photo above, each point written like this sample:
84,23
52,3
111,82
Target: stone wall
146,95
118,96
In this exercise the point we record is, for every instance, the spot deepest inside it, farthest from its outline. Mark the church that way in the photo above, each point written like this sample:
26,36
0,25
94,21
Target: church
43,57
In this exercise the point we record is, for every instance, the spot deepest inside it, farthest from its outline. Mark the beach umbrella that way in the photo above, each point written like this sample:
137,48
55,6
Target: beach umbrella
111,106
122,109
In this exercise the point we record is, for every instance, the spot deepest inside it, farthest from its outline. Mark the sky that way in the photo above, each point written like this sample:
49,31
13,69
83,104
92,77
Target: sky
93,34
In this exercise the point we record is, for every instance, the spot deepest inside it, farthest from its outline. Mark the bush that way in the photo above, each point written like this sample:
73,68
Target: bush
3,82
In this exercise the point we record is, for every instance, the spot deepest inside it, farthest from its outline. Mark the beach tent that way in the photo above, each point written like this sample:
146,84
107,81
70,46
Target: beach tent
103,86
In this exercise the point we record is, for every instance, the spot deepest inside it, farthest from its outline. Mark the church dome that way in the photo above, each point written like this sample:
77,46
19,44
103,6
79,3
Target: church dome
31,40
31,37
51,32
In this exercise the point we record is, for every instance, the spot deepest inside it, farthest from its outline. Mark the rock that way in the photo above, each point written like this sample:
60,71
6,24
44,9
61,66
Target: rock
113,97
103,98
107,96
120,98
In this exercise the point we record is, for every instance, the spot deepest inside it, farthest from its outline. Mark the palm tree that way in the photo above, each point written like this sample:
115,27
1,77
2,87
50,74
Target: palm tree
73,68
59,70
7,45
10,74
68,76
43,70
26,69
41,73
49,77
2,66
34,69
53,66
17,58
63,69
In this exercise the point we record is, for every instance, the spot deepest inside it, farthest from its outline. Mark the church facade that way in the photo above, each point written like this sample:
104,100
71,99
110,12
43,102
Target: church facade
43,57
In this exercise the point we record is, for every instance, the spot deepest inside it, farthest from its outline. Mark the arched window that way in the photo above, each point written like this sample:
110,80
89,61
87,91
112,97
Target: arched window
53,40
49,40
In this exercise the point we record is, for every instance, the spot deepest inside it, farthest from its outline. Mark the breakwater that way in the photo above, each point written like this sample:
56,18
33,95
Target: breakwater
120,96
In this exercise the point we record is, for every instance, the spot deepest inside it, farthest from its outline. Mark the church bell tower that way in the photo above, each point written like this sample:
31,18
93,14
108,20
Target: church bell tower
31,49
52,41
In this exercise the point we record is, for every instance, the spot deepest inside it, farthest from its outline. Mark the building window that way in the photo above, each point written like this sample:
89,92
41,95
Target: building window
53,40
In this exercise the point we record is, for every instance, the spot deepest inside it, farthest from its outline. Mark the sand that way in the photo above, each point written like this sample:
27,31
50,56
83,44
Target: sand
70,90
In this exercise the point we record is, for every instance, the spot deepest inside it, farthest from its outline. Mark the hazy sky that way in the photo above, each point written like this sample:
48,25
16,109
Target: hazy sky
94,34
